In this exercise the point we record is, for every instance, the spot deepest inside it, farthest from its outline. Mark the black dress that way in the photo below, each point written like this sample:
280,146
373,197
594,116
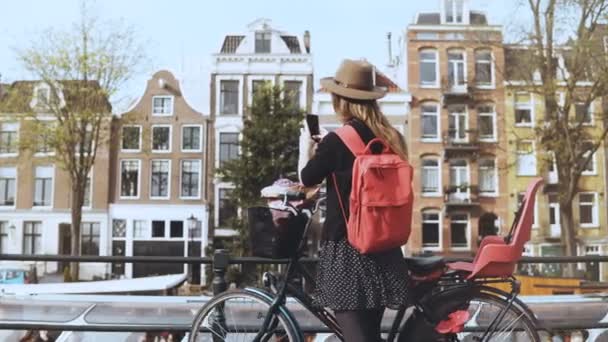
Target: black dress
346,279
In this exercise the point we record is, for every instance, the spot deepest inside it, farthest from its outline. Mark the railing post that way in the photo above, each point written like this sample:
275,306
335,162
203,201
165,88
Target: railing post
220,265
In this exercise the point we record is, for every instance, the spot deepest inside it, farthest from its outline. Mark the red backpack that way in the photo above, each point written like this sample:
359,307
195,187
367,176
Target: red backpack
381,197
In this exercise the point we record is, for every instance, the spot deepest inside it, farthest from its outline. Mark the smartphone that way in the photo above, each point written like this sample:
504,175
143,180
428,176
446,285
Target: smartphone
312,121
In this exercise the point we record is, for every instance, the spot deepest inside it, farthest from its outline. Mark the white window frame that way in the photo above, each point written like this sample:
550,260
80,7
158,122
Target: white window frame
595,210
456,115
467,194
10,172
558,225
52,202
494,119
138,179
492,84
17,127
163,97
200,179
439,246
496,190
444,17
464,65
439,191
593,163
250,79
200,142
304,86
218,94
170,138
147,229
467,232
535,172
230,129
437,114
522,105
140,128
92,186
168,180
437,69
216,219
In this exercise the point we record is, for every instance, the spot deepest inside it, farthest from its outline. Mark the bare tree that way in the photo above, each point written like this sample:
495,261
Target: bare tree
563,61
83,67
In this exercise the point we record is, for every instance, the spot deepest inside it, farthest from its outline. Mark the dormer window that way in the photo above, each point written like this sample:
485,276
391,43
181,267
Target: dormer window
43,95
262,42
454,11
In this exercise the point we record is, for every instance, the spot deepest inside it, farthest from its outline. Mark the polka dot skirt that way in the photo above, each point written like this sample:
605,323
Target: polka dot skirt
348,280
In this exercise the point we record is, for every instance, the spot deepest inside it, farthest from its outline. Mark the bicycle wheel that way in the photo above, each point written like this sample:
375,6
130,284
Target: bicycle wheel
515,326
238,316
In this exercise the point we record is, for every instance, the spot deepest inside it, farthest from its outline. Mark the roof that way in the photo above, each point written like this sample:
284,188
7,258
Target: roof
475,18
292,43
231,43
16,98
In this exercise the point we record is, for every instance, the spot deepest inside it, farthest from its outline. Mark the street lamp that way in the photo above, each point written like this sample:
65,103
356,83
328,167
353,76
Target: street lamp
195,268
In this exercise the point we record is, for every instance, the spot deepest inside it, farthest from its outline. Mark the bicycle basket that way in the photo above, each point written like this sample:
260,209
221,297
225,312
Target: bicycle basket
274,233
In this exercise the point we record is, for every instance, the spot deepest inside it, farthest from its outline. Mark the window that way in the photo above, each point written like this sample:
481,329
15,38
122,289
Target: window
523,109
484,72
526,158
191,139
161,138
459,230
229,147
554,216
487,177
584,113
43,95
429,68
431,229
89,238
140,229
431,183
456,69
158,229
262,42
257,85
458,123
162,105
119,228
486,122
292,92
227,208
43,186
32,238
459,180
4,244
587,203
8,181
430,121
8,138
129,178
454,11
88,187
229,97
190,179
590,166
43,143
176,229
131,138
159,179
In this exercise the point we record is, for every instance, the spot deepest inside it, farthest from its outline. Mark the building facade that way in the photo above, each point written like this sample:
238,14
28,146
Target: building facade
35,194
260,54
157,180
456,129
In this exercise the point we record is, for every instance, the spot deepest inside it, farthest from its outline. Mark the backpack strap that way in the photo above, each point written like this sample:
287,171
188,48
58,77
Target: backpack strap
349,136
339,198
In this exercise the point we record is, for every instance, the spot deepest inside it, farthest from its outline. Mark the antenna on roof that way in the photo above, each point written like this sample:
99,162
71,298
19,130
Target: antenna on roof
390,49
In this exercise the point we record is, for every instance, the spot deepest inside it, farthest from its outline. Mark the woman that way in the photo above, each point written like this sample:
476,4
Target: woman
356,287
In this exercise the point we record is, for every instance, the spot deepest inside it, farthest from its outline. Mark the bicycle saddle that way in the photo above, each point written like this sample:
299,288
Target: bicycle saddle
423,265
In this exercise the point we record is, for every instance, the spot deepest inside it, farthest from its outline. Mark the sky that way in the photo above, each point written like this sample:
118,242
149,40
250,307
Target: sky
181,35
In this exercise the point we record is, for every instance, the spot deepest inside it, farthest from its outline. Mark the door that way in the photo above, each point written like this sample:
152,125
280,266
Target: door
459,180
65,246
457,121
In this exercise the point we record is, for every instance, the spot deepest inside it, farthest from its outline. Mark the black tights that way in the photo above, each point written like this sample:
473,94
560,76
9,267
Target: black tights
360,325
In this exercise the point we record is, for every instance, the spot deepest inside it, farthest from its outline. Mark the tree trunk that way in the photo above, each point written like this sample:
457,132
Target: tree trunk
76,207
568,235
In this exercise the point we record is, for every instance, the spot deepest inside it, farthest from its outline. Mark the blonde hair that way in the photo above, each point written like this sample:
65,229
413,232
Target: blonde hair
369,112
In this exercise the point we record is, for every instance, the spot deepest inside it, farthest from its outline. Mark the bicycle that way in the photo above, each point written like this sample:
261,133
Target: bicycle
449,301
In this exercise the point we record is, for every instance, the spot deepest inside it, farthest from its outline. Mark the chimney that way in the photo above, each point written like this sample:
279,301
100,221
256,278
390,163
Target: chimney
307,41
390,49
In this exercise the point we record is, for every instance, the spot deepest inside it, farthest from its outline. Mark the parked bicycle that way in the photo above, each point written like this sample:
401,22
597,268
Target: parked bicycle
448,301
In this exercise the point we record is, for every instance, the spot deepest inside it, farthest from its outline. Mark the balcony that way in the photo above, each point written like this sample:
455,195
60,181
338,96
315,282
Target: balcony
458,197
455,93
551,184
459,145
